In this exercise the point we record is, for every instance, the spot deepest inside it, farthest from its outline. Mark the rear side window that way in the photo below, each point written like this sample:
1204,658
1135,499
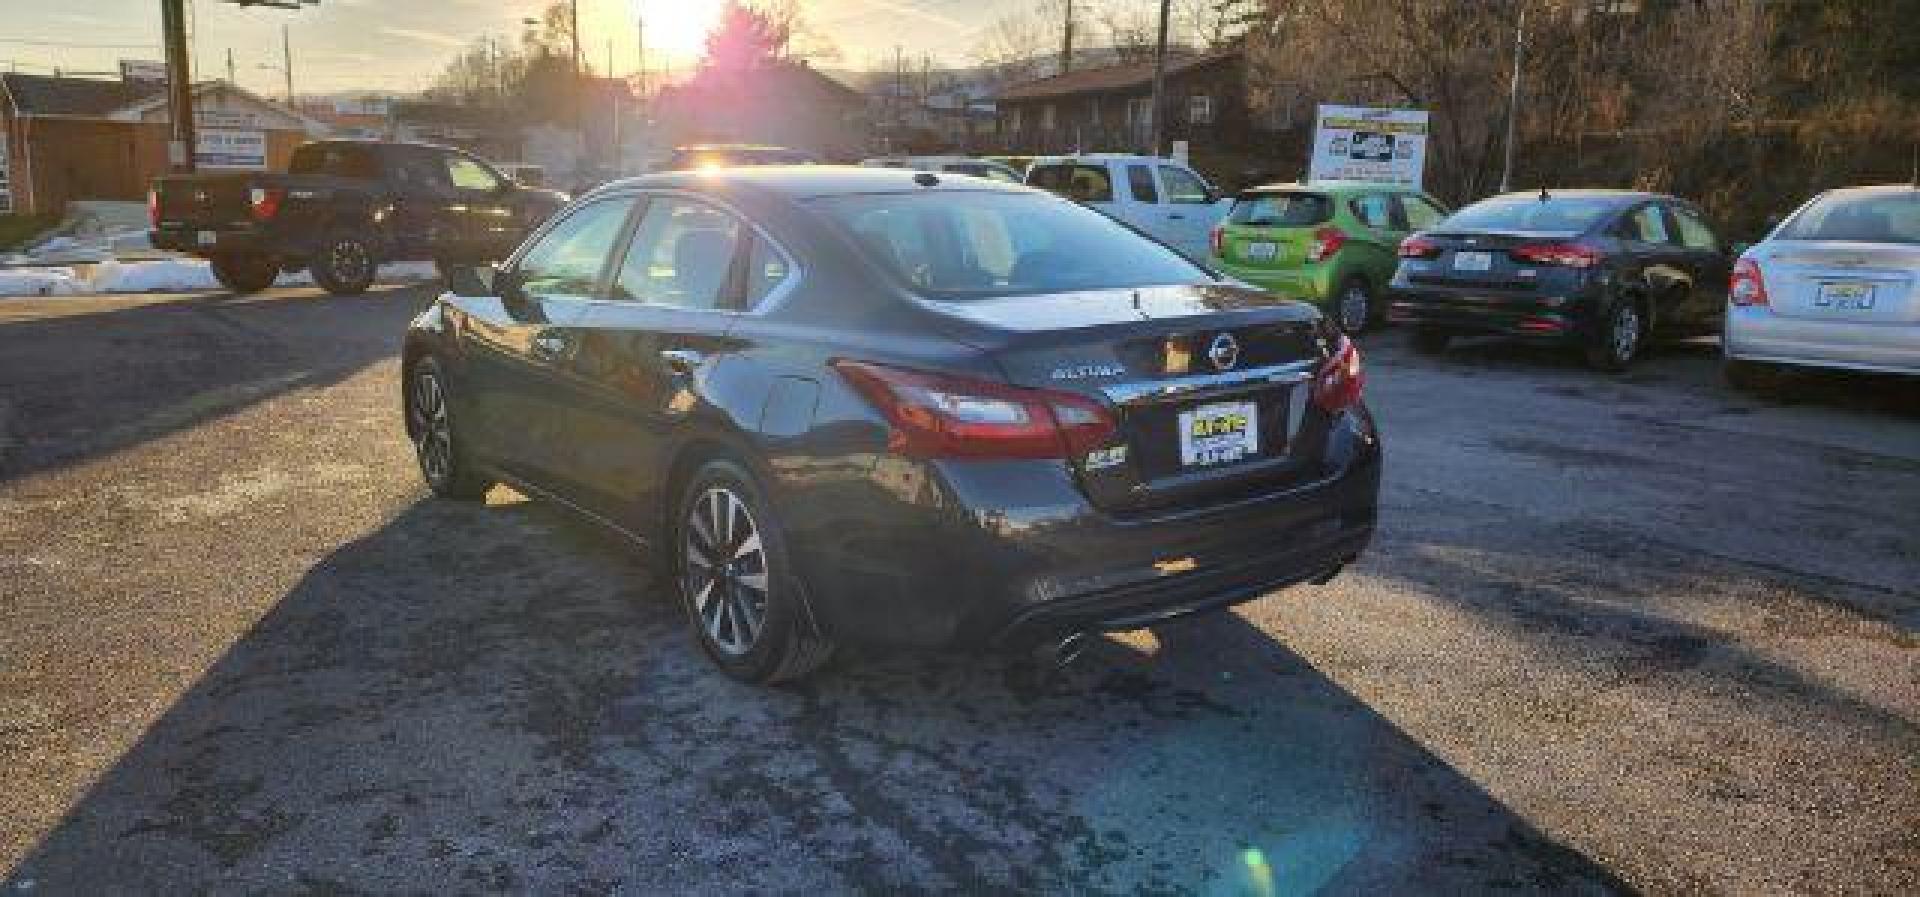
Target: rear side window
1281,209
1420,214
766,269
1694,232
1080,183
1140,181
1563,215
953,244
1857,217
567,260
1372,210
681,256
1646,225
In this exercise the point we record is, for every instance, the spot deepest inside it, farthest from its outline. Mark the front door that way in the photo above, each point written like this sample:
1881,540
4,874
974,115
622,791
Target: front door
1187,212
522,345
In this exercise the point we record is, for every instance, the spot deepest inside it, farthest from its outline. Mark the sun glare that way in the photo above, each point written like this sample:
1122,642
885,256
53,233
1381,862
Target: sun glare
677,27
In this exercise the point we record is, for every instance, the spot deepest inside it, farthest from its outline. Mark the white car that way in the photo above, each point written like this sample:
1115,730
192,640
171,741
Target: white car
980,168
1836,285
1161,197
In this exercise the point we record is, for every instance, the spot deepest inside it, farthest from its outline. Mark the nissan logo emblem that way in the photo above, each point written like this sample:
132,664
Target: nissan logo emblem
1224,352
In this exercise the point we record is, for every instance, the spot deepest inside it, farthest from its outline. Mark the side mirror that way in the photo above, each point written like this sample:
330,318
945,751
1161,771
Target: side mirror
476,280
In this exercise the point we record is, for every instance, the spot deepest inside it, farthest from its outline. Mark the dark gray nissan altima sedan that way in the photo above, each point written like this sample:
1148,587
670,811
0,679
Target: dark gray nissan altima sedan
875,405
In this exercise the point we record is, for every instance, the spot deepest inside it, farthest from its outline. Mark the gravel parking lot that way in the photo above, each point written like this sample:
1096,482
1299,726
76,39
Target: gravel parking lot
1617,633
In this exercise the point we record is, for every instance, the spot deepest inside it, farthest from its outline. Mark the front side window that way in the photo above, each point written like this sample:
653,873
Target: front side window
1858,217
681,256
567,260
1183,186
466,174
1080,183
1694,232
965,245
1372,210
1420,213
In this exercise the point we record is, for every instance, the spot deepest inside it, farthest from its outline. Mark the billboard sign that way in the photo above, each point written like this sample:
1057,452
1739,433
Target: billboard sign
230,148
1356,143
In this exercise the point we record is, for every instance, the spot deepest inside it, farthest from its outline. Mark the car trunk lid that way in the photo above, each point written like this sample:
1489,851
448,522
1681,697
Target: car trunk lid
1229,368
1843,281
1482,259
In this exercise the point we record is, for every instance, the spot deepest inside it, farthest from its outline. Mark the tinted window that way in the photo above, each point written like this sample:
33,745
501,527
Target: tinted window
681,255
567,260
1570,215
1647,225
1694,232
959,245
1372,210
343,160
1859,217
1420,214
1140,181
1182,185
1281,209
1080,183
466,174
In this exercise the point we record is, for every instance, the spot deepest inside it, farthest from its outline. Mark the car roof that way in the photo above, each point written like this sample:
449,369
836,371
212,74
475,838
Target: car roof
1333,186
1623,196
808,181
1098,157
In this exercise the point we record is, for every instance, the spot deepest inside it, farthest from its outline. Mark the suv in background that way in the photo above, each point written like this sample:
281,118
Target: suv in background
1331,243
733,155
1603,271
967,165
1162,198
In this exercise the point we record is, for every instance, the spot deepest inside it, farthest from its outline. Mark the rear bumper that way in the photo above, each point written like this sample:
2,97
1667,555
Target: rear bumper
1307,286
209,241
1535,316
1011,553
1759,334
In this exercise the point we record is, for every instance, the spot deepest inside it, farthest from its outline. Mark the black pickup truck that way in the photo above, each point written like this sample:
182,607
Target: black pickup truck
343,208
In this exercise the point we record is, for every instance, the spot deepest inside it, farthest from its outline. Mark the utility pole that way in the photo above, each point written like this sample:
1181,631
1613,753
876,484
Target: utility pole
579,87
286,57
613,101
230,76
1066,41
899,86
640,51
1155,128
173,25
1513,97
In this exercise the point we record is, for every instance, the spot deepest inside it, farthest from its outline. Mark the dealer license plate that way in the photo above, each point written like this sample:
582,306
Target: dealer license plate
1473,261
1219,433
1843,295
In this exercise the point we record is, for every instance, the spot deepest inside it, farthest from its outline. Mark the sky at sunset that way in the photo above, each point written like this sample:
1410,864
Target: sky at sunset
398,45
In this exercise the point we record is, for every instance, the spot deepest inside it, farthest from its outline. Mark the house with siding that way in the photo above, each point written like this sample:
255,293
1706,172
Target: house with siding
1105,109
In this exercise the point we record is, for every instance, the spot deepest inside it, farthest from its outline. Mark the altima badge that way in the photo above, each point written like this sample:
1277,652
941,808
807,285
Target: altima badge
1224,352
1083,371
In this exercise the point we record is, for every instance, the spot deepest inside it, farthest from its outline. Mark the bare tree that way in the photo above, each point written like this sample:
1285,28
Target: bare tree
1024,45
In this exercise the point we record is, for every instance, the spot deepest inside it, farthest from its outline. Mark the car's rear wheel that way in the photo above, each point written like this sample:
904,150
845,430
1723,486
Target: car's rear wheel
443,461
1617,341
736,582
244,272
1354,306
1431,341
345,264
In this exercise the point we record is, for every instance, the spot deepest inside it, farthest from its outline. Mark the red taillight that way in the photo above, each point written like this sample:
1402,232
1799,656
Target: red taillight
941,416
1326,242
1217,241
1747,288
153,207
1418,247
1559,255
1339,382
265,202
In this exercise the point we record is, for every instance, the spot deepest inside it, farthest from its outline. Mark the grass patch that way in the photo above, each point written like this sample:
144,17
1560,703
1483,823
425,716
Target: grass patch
16,229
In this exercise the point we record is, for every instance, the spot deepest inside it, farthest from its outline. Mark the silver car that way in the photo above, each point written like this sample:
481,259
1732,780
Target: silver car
1833,286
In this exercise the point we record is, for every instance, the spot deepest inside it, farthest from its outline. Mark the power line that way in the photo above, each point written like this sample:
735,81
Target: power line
67,45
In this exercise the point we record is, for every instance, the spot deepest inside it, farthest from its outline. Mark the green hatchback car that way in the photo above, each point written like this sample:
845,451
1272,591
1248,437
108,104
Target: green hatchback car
1331,243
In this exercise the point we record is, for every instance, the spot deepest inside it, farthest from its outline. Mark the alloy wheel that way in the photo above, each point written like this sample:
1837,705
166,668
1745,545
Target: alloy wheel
432,432
349,260
725,571
1626,331
1354,309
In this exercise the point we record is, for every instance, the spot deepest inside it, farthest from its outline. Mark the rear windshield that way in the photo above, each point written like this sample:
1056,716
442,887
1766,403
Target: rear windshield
1859,218
1280,209
952,244
982,171
1570,215
1080,183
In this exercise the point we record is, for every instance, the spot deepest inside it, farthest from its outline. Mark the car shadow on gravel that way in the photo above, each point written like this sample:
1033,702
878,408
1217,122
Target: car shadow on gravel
81,384
498,698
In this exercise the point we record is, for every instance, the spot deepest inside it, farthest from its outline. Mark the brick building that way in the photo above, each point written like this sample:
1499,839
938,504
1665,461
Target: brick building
71,139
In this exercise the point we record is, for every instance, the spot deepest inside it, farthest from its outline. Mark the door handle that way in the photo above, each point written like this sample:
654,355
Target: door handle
682,361
549,346
1176,216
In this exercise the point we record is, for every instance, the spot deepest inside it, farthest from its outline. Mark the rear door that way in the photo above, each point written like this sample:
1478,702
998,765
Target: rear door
523,345
1657,261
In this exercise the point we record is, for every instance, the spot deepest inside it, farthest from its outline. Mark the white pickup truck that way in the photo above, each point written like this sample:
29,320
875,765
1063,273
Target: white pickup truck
1162,197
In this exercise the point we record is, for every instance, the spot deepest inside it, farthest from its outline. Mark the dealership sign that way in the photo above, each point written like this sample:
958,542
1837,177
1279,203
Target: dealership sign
230,148
1355,143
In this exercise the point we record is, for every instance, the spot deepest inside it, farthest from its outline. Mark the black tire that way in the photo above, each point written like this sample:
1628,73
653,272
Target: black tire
244,273
1750,376
784,644
345,263
442,455
1431,341
1619,337
1356,308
